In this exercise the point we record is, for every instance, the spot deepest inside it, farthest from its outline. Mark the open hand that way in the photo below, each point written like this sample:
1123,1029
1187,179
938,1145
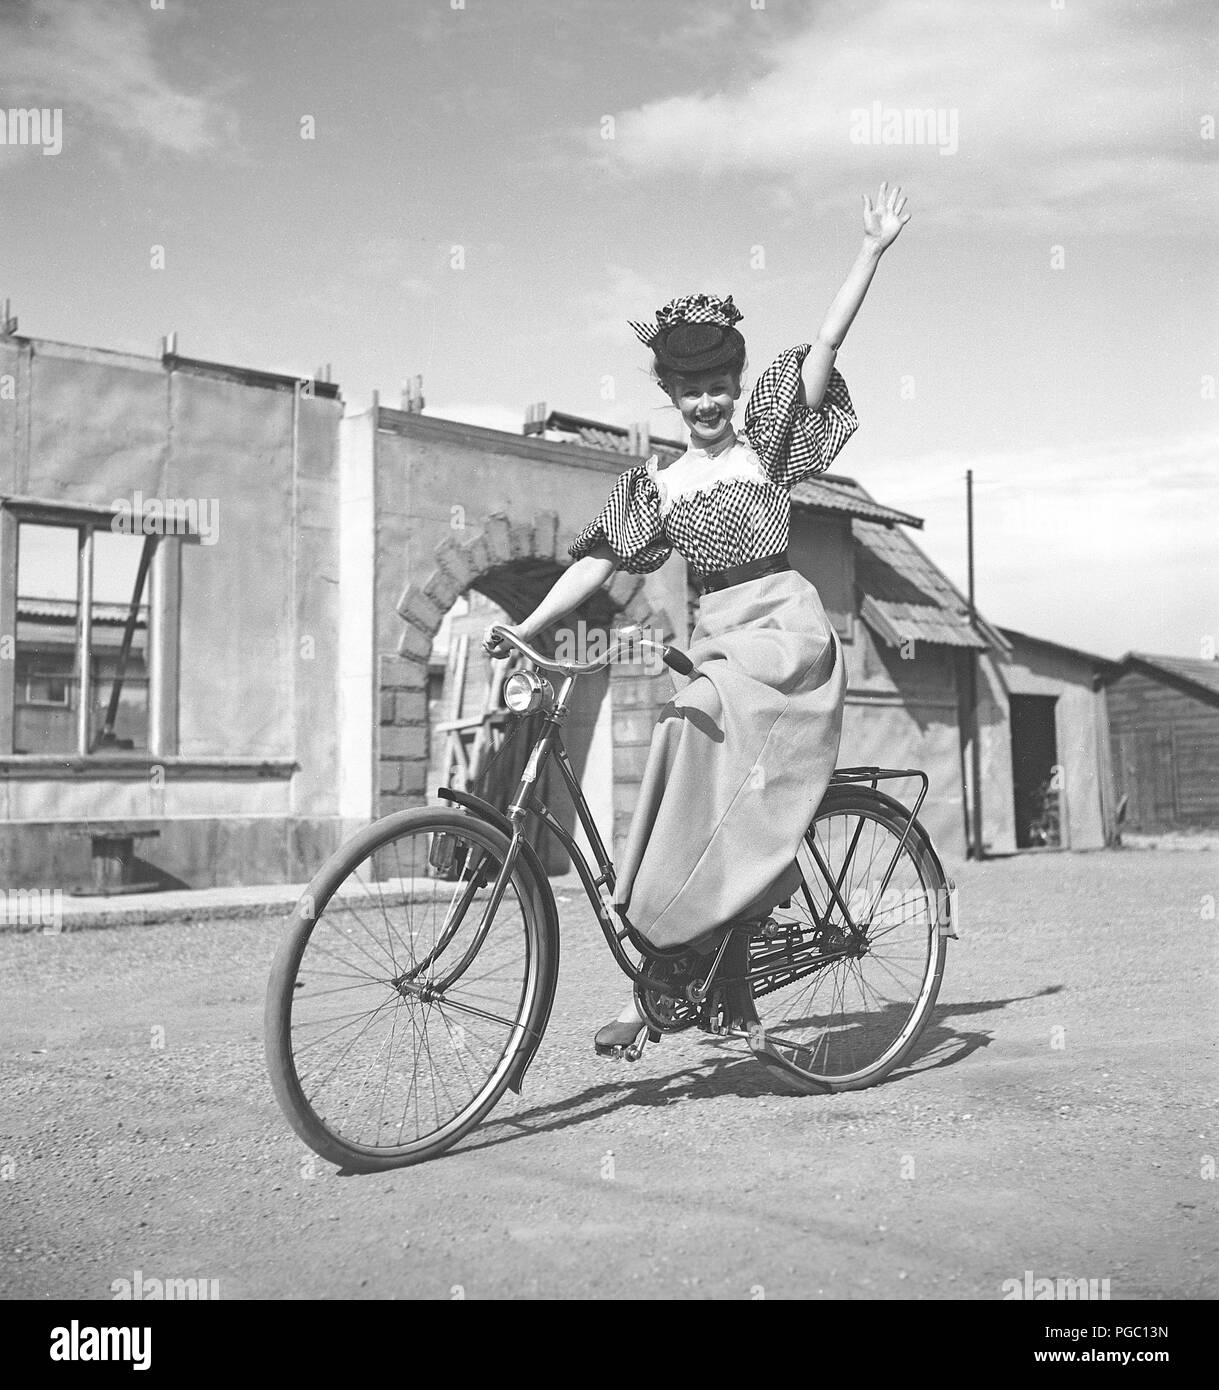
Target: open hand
882,223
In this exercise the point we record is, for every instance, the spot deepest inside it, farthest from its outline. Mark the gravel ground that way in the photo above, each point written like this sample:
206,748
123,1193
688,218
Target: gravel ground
1204,840
1058,1119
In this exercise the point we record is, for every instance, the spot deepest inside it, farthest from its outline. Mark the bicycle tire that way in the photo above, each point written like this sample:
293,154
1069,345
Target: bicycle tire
284,989
800,1070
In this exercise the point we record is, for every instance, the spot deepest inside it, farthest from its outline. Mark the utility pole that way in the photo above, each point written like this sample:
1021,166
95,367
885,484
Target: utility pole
976,849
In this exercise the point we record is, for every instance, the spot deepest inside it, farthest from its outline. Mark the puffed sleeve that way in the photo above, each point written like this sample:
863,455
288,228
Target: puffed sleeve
630,522
790,439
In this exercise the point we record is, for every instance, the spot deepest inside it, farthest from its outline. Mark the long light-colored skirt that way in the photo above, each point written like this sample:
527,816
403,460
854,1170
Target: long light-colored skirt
739,761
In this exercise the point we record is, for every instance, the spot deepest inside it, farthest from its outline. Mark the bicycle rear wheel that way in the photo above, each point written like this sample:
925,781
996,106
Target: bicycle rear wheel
394,1014
847,982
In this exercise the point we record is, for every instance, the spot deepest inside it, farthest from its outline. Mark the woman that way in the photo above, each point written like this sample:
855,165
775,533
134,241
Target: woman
741,757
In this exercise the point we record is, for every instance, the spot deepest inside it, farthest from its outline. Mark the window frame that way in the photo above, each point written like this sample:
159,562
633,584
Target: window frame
164,589
29,701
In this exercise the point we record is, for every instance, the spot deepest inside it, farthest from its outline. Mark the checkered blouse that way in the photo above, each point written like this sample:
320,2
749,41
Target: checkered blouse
744,513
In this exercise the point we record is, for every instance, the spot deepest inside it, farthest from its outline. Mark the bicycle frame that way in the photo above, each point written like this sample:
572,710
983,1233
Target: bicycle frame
550,744
599,887
482,854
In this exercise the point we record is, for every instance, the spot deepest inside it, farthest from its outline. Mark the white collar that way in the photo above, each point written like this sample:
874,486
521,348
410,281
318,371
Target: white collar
697,471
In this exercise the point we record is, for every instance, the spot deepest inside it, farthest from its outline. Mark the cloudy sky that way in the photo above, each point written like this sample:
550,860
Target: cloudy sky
493,188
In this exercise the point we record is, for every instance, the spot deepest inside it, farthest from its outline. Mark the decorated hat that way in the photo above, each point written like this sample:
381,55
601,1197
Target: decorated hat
694,333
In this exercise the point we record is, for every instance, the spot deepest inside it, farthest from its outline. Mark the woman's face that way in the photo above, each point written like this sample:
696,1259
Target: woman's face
706,401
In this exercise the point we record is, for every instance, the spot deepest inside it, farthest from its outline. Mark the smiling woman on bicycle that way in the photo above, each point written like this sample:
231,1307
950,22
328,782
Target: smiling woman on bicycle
741,757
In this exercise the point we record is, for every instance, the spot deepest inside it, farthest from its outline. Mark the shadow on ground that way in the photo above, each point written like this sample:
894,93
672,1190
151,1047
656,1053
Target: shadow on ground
942,1044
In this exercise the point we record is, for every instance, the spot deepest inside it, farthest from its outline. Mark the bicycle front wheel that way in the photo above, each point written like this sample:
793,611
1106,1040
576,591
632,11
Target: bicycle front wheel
849,975
395,1009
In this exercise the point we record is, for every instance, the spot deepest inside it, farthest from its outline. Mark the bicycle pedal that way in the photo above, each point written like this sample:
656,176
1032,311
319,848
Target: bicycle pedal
632,1051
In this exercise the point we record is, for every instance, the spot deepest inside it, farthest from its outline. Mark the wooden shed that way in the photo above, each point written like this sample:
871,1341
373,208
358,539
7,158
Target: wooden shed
1164,721
1062,781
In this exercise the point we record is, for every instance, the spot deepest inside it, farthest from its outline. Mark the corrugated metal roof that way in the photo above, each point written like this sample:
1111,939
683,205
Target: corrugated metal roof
1196,670
65,610
899,623
904,595
825,493
596,434
594,437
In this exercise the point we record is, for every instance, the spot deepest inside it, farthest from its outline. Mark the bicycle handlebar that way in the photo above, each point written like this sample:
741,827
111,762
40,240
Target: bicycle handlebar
672,656
677,659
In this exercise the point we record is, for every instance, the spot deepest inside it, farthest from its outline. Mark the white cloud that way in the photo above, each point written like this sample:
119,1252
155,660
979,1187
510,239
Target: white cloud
1108,545
419,287
621,295
1089,110
96,62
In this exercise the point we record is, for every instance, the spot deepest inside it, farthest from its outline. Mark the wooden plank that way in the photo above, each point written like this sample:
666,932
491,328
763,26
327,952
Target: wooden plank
1130,702
448,726
84,637
1164,775
1133,780
1197,765
8,624
164,641
1203,726
457,763
460,661
1120,748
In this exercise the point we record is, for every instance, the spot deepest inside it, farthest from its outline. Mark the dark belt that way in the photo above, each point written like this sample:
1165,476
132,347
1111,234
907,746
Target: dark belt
739,574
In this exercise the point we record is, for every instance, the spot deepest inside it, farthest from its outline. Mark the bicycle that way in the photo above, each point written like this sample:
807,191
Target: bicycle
415,978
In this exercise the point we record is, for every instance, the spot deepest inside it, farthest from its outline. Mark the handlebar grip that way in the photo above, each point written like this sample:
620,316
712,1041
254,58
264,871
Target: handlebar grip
678,660
502,651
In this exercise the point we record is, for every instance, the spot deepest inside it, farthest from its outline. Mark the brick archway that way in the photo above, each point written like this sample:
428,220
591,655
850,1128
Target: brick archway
504,559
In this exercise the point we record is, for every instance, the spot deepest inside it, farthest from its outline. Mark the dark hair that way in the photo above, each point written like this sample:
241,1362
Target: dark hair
736,366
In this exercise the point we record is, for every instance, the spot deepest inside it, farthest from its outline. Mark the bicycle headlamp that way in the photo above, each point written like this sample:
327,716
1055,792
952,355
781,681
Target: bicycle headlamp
525,691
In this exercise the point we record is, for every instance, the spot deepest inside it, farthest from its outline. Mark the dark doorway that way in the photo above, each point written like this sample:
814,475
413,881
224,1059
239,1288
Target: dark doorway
477,746
1036,775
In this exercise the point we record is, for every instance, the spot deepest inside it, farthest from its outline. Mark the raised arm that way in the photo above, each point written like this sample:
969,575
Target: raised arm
881,224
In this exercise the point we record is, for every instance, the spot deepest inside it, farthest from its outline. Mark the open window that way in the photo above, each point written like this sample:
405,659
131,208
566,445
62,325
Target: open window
91,635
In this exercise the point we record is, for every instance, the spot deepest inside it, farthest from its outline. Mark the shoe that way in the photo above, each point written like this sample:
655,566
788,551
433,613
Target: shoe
622,1039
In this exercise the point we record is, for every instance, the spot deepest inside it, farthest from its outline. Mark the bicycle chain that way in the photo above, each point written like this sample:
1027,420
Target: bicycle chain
797,964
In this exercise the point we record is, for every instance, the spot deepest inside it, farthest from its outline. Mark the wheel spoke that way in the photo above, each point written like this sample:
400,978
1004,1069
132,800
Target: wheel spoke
407,1074
852,1018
